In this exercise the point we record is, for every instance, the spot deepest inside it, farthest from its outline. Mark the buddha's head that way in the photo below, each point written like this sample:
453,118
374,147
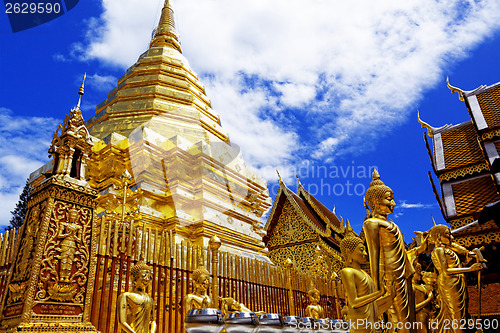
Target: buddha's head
353,249
314,296
380,197
201,279
141,275
440,235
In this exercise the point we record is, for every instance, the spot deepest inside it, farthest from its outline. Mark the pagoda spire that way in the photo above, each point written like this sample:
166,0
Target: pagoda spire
166,34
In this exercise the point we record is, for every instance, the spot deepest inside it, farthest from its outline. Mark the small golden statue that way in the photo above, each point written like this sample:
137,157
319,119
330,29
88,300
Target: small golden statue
387,250
199,299
363,299
450,281
135,308
423,299
314,309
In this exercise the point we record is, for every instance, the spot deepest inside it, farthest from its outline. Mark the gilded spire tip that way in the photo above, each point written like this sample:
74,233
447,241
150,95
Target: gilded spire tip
165,33
81,90
298,180
281,181
375,175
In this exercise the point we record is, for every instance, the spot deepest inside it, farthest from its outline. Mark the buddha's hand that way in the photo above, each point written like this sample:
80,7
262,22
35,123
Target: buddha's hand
476,266
204,303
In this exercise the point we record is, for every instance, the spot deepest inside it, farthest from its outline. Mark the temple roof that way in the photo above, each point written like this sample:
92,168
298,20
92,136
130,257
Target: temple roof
313,213
489,101
472,195
323,213
460,146
465,156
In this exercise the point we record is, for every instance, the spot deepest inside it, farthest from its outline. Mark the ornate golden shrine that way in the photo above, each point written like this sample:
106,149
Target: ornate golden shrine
50,282
299,224
158,124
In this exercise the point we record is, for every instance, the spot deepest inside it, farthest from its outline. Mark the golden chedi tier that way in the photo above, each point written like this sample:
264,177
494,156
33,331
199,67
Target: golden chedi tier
158,124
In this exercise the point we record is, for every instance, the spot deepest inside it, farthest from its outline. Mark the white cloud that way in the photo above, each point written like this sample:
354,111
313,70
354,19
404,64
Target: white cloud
102,83
24,142
324,74
405,205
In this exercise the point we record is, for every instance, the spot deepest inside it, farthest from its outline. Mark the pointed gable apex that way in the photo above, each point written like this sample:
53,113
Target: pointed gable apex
326,215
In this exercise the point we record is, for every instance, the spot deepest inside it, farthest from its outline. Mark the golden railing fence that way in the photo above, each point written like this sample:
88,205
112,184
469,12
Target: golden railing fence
260,285
8,242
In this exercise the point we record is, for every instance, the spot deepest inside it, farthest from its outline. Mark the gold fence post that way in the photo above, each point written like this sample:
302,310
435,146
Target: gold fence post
335,279
291,303
214,243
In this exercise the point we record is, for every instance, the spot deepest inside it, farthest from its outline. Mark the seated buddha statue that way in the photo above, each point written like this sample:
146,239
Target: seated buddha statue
314,309
135,308
199,298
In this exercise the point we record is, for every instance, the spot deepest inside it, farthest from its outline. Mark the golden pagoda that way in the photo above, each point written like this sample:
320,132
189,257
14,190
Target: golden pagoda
157,124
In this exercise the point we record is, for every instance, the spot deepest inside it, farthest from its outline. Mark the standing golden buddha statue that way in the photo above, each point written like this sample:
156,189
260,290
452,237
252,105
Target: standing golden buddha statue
199,299
314,309
387,251
135,308
450,281
362,298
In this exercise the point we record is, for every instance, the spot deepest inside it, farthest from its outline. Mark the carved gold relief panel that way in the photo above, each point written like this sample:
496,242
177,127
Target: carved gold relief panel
291,228
25,257
479,239
65,263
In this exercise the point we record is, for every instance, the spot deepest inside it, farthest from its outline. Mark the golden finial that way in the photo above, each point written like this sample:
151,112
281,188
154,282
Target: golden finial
453,89
165,33
214,243
375,175
281,181
348,232
81,90
433,221
298,180
430,129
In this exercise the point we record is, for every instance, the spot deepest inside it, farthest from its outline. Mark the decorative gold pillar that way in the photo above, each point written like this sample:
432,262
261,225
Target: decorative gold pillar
215,244
291,303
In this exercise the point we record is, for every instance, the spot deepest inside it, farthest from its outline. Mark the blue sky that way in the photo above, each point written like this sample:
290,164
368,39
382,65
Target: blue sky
317,88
